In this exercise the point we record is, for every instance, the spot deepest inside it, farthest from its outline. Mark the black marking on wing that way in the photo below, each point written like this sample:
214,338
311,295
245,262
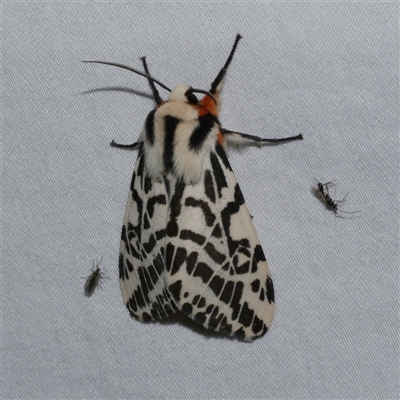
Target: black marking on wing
160,234
270,290
179,259
152,201
148,184
169,256
215,318
243,268
222,155
232,208
121,266
257,325
214,254
255,285
200,318
149,246
226,294
203,271
246,315
187,234
187,308
175,209
259,254
140,170
167,186
216,284
244,251
176,289
208,214
235,303
219,175
217,231
209,185
137,230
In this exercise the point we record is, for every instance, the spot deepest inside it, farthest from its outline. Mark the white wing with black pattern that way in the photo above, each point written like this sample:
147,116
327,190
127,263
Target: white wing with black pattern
141,264
216,269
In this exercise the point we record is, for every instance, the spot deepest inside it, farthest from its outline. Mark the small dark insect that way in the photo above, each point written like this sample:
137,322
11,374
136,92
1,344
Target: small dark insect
94,279
322,190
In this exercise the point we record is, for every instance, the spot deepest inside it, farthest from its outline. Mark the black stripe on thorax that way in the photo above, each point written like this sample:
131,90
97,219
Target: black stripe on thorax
170,124
149,127
199,135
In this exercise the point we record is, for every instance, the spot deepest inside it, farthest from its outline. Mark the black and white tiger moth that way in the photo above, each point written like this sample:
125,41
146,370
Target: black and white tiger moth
188,242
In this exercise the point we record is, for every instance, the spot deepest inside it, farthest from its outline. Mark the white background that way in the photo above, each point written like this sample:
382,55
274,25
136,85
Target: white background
328,70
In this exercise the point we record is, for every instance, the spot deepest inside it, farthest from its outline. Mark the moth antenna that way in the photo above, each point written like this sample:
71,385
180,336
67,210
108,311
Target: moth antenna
132,70
156,95
218,80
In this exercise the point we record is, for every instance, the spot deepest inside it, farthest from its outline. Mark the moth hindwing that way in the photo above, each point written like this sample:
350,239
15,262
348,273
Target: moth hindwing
188,242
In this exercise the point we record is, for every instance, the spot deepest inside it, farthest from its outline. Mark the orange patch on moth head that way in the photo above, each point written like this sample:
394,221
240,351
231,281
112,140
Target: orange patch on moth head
207,104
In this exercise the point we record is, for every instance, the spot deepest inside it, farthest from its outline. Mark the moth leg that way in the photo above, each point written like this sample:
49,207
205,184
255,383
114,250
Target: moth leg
260,139
215,86
156,94
157,99
124,146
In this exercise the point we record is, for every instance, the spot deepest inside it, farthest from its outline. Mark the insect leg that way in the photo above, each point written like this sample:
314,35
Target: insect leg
259,139
125,146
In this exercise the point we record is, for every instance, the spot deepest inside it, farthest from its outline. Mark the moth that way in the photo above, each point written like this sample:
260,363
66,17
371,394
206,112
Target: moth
188,242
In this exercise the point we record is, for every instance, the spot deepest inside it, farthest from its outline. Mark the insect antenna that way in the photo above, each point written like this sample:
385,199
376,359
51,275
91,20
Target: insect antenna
221,74
132,70
156,94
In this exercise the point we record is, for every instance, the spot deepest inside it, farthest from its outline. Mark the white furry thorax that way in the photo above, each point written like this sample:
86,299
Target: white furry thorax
187,161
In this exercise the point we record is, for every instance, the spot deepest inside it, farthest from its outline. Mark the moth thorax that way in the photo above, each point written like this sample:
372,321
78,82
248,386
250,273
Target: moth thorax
178,93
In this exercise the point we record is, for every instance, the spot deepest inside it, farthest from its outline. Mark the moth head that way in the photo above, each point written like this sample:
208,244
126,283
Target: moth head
178,93
185,93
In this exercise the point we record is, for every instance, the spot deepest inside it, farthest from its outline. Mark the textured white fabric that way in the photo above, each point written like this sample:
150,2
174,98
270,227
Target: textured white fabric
328,70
